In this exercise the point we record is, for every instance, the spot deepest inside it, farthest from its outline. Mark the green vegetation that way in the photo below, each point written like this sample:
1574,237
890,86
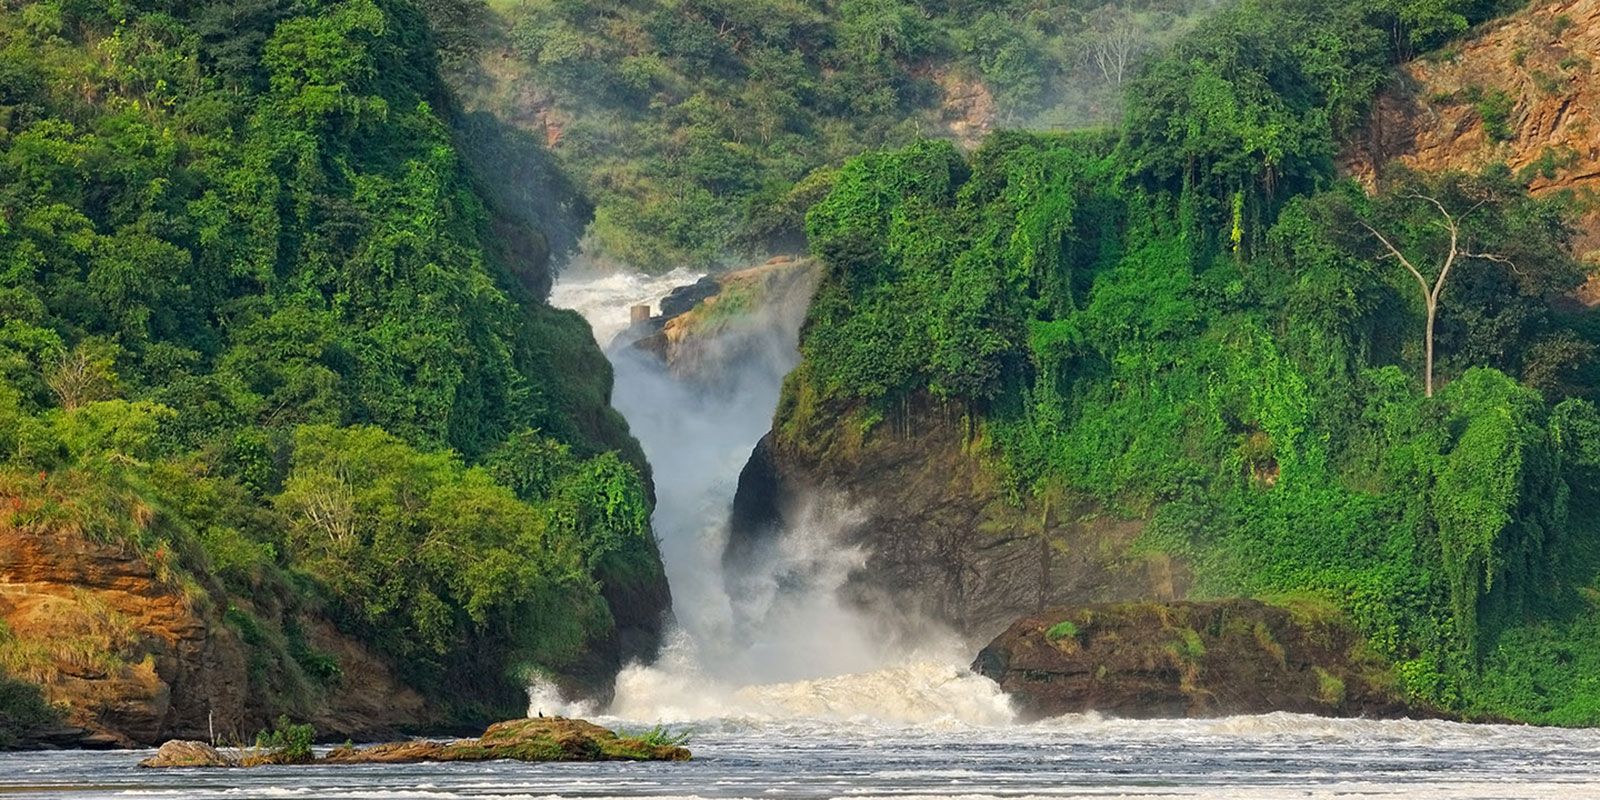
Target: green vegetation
1189,647
1065,629
1330,689
287,743
258,322
1193,323
1495,107
659,736
696,127
22,709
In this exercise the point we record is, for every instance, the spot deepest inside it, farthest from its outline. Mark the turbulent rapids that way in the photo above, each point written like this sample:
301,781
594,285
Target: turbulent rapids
784,646
1272,757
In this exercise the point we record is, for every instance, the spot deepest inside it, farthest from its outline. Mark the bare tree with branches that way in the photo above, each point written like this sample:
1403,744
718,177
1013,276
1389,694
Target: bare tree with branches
82,375
1456,251
1116,45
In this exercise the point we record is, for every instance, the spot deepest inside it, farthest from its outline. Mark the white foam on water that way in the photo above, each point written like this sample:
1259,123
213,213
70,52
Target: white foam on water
931,694
775,641
604,299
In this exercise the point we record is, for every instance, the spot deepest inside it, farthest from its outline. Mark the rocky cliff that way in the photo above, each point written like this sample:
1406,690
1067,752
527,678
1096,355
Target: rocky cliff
943,532
711,330
1524,91
943,537
133,655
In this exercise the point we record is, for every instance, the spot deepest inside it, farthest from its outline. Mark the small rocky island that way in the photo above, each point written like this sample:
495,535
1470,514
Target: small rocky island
540,739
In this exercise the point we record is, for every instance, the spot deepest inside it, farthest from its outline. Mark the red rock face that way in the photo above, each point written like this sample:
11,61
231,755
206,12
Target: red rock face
132,658
136,659
1545,63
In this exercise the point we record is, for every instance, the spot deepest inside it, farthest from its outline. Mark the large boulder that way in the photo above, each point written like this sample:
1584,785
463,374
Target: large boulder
538,739
1191,659
179,753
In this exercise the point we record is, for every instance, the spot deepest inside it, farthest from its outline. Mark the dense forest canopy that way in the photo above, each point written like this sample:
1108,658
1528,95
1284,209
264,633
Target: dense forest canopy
254,321
1192,321
701,129
271,306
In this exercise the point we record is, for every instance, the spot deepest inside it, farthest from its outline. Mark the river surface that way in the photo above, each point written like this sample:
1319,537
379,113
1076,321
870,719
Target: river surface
1241,758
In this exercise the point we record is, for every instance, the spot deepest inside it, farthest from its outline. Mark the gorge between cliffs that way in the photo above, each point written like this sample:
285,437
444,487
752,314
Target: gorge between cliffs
800,399
776,635
869,590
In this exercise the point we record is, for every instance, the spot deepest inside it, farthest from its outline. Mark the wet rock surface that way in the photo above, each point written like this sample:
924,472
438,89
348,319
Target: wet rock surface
1190,659
942,537
179,754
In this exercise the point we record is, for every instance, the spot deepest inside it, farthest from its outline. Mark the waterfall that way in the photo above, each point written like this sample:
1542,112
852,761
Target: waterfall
785,644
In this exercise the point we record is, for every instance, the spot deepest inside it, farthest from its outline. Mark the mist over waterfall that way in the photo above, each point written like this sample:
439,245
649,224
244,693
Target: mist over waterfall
783,644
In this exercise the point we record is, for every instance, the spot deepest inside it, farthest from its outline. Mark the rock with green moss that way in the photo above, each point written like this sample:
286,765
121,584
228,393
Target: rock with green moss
1192,659
540,739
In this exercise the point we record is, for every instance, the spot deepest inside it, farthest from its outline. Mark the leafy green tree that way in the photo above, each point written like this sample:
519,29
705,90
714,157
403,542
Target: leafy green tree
1435,225
22,709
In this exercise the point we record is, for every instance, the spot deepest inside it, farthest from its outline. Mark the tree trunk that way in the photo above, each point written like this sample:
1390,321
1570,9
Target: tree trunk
1427,379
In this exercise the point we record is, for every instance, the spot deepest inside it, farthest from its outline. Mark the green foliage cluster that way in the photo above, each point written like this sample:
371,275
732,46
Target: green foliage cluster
431,550
287,742
699,127
659,736
1246,112
254,322
1494,107
1195,325
22,710
1065,629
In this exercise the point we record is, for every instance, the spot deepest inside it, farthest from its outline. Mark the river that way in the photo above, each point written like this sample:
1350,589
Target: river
787,693
1245,758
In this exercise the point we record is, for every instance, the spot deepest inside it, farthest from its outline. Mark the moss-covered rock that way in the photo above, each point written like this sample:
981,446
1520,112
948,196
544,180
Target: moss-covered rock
1192,659
540,739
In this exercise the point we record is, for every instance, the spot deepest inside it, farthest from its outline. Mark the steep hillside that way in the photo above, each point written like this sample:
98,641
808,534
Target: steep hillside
1186,360
698,128
284,422
1525,92
946,537
133,659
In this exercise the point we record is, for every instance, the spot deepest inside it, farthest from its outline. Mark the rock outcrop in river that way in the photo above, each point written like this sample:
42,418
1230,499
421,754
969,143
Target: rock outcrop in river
1190,659
541,739
712,329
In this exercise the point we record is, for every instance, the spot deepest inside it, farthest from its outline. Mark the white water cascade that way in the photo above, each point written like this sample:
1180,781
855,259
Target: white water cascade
787,646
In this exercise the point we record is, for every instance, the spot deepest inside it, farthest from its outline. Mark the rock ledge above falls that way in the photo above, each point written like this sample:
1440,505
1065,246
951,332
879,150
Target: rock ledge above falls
1191,659
541,739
